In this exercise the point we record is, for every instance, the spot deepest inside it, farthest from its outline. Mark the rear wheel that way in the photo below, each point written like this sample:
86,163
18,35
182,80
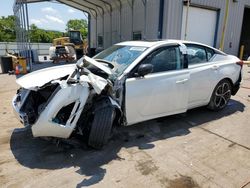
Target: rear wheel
220,96
101,127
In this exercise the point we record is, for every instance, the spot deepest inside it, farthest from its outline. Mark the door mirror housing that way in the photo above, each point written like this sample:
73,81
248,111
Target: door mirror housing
144,69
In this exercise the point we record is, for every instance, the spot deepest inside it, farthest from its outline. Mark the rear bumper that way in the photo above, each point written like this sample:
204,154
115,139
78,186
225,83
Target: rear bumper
236,86
235,89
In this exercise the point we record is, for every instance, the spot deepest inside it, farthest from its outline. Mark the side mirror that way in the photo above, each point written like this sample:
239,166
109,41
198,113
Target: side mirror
144,69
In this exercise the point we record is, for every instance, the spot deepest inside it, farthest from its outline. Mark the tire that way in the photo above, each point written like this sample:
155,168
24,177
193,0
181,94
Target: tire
221,95
101,127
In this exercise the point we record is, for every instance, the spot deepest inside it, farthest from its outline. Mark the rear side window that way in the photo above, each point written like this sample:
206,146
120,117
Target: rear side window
198,54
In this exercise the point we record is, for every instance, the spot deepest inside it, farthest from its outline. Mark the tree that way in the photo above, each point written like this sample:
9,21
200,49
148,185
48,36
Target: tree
41,35
81,25
35,33
7,29
8,33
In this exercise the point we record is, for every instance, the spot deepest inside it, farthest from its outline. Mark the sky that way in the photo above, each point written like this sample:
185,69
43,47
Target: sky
45,15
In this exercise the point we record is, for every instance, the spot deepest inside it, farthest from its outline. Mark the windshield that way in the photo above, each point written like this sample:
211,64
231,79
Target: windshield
120,56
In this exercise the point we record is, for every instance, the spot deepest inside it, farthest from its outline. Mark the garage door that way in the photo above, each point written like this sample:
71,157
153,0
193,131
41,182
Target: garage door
201,25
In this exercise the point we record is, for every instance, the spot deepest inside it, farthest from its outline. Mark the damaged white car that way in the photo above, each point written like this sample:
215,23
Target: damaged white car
127,83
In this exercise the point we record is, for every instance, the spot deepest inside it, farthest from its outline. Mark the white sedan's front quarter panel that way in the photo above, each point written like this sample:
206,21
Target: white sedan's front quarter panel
45,126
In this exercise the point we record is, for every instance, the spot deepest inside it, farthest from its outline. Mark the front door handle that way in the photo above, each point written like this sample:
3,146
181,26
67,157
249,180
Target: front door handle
182,81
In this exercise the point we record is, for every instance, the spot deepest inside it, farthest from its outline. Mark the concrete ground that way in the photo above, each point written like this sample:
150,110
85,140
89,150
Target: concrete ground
197,149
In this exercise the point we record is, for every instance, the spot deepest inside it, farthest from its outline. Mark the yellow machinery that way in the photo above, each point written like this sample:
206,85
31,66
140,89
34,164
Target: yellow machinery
61,41
19,64
75,37
62,44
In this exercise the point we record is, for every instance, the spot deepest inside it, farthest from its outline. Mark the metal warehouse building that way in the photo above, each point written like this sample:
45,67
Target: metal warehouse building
219,23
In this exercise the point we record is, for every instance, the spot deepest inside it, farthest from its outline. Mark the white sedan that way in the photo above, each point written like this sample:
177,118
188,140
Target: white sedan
127,83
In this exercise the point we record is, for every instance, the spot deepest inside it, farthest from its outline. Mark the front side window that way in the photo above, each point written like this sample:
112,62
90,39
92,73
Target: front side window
165,59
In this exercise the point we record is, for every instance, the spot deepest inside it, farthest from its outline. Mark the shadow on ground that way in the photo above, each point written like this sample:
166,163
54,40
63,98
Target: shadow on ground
37,153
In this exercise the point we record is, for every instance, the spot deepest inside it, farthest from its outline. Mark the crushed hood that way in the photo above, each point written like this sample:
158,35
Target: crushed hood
36,79
97,64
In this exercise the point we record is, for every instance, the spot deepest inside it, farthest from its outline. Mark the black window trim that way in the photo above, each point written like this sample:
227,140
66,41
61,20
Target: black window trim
214,52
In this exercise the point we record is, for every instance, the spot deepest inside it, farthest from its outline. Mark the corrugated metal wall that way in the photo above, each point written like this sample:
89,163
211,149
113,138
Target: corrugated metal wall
12,47
128,26
138,20
126,22
153,7
172,21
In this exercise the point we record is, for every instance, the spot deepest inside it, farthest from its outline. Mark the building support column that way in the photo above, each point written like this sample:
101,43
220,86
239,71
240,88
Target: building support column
160,25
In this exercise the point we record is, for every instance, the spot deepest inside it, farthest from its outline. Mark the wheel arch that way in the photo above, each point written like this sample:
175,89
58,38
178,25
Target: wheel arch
226,78
230,81
211,105
234,86
105,102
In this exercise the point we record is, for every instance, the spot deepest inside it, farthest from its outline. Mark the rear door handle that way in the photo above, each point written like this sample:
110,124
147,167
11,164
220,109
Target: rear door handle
182,81
215,67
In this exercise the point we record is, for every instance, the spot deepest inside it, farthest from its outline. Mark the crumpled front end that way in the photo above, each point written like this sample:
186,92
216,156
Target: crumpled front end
18,103
52,103
60,114
52,110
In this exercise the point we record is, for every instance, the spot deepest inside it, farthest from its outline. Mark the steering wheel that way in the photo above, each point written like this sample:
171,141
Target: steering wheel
110,65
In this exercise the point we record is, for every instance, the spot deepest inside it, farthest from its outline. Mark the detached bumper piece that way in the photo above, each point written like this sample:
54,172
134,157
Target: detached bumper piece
17,103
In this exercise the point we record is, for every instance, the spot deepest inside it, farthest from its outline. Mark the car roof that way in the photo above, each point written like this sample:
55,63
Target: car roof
146,43
160,42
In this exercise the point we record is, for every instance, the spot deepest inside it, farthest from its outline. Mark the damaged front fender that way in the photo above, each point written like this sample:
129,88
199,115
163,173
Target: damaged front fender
58,96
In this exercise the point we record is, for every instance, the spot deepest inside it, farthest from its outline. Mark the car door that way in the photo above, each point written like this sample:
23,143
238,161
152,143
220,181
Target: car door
160,93
202,74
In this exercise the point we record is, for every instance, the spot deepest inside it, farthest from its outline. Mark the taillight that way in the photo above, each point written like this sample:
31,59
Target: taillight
240,63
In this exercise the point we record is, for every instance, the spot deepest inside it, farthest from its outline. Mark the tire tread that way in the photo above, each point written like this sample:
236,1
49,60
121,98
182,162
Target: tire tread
101,128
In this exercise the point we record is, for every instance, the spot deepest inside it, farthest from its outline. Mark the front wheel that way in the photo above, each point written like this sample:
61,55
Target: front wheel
101,127
221,95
